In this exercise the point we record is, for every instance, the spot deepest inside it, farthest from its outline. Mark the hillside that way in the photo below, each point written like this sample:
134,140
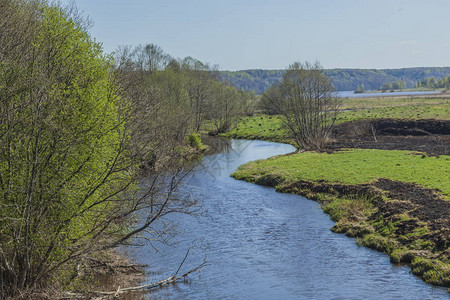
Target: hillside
342,79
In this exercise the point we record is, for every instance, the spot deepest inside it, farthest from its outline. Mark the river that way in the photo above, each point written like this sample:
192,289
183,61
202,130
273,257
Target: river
260,244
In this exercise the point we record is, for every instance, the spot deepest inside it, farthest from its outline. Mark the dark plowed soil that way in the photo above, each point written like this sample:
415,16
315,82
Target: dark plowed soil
424,205
430,136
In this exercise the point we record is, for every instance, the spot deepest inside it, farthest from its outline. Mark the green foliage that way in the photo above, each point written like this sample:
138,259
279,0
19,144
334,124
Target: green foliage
63,158
399,84
396,85
359,89
172,98
432,82
226,106
305,101
252,80
195,141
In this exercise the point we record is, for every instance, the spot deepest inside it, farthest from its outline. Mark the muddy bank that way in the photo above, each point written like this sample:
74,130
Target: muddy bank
406,221
106,273
430,136
408,205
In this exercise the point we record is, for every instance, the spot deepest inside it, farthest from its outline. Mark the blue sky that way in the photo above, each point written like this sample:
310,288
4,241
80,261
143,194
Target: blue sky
271,34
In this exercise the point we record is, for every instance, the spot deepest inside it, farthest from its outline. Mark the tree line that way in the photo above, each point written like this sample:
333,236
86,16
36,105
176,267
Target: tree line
434,83
342,79
396,85
78,129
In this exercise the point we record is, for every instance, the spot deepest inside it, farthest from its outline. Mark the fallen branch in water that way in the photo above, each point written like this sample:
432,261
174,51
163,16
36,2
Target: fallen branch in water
167,281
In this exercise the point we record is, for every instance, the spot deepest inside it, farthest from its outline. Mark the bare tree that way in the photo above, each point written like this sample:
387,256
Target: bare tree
225,106
305,99
198,83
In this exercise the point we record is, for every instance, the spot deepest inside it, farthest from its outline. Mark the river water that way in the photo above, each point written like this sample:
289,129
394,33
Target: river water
260,244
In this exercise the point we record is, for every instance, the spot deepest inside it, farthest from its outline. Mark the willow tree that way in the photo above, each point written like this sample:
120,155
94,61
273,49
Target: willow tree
305,99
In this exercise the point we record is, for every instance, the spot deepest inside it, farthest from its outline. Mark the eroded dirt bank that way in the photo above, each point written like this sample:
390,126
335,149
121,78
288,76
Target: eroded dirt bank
405,220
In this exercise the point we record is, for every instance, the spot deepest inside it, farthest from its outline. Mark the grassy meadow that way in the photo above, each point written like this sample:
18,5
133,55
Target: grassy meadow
378,102
354,166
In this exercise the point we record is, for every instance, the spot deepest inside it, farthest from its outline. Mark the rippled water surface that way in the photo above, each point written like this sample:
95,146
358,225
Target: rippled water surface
260,244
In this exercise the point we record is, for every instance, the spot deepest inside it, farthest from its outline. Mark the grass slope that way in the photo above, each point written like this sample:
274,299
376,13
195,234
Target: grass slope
355,166
261,127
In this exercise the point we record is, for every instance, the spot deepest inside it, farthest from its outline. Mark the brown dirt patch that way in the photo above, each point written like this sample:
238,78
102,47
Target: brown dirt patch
424,205
430,136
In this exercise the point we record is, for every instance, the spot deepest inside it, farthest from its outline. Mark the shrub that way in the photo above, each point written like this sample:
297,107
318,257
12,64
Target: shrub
194,140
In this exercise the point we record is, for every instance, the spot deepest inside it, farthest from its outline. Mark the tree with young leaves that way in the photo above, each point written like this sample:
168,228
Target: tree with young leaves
68,165
63,158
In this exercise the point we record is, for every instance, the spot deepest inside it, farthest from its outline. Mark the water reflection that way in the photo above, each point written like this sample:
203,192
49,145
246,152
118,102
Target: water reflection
216,144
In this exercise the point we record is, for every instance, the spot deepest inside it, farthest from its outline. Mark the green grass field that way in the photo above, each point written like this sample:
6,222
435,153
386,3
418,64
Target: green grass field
354,166
437,111
258,127
377,102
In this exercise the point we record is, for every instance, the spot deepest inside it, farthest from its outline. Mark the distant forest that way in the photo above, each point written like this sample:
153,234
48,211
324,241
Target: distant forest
342,79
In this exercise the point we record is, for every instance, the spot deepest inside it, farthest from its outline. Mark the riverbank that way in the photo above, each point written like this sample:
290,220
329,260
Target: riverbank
384,181
408,221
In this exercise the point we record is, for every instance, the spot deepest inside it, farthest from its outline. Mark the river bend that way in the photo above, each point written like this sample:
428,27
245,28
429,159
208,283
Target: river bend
260,244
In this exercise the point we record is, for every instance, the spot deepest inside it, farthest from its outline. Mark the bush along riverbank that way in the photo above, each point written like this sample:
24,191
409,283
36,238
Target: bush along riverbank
396,202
